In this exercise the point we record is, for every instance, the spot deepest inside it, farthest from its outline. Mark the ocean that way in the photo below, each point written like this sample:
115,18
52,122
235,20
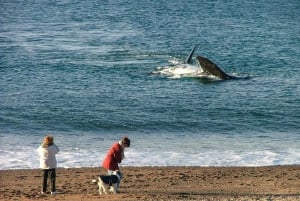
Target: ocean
90,72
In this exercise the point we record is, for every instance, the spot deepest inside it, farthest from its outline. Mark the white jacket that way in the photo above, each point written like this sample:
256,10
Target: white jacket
47,156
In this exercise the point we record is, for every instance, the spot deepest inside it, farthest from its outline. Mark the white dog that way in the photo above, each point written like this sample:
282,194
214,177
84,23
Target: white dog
108,181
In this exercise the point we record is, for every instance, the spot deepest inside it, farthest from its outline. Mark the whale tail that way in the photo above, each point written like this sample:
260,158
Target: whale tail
211,68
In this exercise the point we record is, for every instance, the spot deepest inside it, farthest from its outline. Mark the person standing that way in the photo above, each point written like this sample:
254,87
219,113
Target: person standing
47,151
114,157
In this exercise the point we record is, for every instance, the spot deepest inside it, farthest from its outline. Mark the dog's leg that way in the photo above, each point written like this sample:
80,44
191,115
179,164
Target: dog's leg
111,189
102,188
99,187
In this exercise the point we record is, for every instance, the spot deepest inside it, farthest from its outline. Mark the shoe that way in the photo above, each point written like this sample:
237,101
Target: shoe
43,193
54,193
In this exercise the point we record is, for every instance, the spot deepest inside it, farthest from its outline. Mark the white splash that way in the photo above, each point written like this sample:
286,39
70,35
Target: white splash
177,69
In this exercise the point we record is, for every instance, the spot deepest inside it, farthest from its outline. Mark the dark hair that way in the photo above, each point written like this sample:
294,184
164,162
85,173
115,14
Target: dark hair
126,140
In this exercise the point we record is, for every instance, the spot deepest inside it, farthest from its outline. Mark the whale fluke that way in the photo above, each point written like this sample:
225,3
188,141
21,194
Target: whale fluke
211,68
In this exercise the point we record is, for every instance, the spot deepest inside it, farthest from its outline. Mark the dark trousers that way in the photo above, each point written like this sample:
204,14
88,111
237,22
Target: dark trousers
52,175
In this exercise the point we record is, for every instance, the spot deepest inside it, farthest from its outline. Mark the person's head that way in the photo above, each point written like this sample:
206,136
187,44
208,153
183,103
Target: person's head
125,142
48,140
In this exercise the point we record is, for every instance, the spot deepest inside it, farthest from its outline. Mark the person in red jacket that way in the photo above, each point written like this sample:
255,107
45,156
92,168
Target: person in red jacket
114,156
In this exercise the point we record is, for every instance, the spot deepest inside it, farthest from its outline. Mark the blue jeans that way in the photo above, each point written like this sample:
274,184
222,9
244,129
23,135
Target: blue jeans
46,173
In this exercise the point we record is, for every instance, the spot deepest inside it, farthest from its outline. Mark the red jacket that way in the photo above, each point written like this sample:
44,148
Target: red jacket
113,157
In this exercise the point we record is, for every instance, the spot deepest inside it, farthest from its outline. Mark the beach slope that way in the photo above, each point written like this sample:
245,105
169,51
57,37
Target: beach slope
161,183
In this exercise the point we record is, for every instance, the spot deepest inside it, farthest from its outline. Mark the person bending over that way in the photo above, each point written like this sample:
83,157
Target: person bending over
114,157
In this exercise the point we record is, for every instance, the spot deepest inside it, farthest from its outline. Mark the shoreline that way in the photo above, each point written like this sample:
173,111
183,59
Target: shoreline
160,183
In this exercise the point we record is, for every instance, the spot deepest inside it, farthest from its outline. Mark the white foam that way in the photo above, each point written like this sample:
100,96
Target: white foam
209,158
157,150
180,70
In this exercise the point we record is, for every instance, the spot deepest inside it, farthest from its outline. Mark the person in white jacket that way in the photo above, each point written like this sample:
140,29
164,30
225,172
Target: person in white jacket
47,151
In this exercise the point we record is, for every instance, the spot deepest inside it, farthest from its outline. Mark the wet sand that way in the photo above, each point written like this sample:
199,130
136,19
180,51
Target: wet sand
160,183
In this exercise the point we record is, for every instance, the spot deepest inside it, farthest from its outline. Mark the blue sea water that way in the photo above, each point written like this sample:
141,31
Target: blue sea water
90,72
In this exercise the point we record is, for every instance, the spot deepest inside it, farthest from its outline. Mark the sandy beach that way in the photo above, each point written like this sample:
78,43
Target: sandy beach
161,183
